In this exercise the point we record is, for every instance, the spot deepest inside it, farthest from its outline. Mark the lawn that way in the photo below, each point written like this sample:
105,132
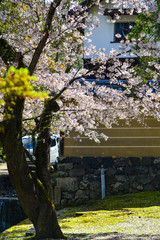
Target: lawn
129,216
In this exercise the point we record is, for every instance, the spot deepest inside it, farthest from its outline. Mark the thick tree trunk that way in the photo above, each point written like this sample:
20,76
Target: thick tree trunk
34,191
31,190
43,146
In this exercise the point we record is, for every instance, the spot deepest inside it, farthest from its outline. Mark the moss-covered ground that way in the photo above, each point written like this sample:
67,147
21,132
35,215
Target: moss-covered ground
129,216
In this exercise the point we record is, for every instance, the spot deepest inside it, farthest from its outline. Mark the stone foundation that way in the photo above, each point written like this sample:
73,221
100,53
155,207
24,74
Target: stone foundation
79,179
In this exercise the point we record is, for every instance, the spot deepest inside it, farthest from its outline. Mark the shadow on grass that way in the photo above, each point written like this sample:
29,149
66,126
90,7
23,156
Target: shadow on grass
112,236
115,202
17,231
133,200
25,222
123,219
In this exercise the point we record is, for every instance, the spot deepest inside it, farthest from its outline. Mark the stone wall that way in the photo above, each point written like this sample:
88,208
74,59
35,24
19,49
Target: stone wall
79,179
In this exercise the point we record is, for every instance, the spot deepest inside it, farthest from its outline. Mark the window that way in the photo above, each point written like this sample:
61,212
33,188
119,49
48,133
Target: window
122,29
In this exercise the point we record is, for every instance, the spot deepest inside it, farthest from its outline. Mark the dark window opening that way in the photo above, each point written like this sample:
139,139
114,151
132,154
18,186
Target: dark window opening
122,29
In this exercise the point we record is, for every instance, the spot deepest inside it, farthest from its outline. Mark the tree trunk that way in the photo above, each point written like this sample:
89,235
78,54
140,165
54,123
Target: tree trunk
31,190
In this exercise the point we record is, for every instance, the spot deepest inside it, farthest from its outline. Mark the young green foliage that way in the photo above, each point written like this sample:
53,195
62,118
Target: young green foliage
17,84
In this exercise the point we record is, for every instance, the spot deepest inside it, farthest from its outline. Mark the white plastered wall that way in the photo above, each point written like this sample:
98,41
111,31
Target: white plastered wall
103,36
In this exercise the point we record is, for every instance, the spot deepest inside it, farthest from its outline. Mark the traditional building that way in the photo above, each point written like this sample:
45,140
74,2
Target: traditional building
124,140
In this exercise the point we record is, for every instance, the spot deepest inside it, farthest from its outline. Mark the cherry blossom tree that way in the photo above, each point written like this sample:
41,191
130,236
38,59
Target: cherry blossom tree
141,80
46,39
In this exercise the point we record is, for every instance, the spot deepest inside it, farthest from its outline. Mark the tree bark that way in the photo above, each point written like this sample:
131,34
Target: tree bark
43,145
32,191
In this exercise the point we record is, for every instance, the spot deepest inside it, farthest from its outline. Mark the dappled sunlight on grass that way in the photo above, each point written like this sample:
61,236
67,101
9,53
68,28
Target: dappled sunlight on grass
129,216
17,231
135,214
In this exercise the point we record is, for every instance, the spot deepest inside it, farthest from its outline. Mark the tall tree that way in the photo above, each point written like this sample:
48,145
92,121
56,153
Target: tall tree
45,38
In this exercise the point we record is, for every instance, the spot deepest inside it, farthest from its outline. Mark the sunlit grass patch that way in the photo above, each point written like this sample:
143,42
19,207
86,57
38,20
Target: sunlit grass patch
93,222
17,231
134,221
129,216
136,214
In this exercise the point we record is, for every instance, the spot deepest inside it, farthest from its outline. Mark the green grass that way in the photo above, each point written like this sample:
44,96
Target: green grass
17,231
129,216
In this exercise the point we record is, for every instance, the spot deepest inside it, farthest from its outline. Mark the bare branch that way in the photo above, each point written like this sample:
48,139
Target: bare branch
28,155
43,40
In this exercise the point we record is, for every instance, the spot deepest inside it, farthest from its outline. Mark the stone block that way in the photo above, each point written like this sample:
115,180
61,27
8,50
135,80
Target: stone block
153,171
57,195
129,171
132,178
88,160
156,180
107,162
84,184
68,166
147,161
77,172
65,160
149,187
95,186
95,194
120,187
97,172
65,166
110,171
141,170
67,184
156,161
120,171
133,161
67,195
61,167
109,179
74,159
89,163
121,162
79,165
82,194
117,187
80,201
71,202
135,186
121,178
139,187
144,179
64,202
62,174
